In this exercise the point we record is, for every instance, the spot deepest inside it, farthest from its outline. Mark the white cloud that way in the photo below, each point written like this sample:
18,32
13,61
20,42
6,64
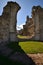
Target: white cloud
20,26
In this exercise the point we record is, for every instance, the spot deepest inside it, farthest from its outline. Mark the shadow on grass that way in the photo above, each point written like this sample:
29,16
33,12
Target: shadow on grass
19,57
5,61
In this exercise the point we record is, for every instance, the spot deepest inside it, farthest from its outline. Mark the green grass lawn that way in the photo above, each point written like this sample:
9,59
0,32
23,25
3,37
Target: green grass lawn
23,37
28,47
32,47
20,36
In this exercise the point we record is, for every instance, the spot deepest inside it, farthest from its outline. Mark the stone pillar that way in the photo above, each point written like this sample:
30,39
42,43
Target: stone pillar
35,16
41,24
14,7
37,31
9,20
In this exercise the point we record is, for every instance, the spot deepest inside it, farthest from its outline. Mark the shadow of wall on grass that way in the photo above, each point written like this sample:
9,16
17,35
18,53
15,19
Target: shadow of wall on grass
19,55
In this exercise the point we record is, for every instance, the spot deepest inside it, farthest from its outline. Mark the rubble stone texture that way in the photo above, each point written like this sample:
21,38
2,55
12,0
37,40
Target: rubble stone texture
37,16
8,21
34,25
28,28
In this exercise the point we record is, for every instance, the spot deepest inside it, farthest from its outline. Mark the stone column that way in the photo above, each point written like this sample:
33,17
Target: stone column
35,16
14,7
37,32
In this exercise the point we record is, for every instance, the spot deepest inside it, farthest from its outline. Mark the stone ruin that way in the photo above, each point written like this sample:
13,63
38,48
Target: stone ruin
34,26
28,28
8,21
37,17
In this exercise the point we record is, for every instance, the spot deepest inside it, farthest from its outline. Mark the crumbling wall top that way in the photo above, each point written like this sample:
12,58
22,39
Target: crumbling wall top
36,9
12,4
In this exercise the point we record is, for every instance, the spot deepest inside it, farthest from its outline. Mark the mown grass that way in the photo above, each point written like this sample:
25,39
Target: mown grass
23,37
32,46
27,47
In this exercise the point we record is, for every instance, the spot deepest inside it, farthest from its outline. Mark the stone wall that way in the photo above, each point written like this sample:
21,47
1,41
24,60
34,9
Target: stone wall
8,21
28,28
41,24
34,25
37,16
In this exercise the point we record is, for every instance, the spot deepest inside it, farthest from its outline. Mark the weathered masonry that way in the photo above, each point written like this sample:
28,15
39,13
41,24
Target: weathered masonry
8,21
37,16
34,26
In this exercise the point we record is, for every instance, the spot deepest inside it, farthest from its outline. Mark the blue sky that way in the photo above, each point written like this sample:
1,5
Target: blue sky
26,9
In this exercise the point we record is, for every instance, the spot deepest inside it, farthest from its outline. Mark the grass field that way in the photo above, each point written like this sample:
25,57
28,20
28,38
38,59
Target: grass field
24,37
20,36
32,47
28,47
